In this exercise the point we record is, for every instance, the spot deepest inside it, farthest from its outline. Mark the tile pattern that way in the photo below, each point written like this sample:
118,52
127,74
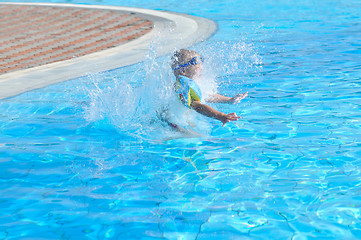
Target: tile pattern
31,36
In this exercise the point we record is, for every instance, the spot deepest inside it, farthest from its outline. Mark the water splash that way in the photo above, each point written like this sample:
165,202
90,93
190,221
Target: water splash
231,58
132,99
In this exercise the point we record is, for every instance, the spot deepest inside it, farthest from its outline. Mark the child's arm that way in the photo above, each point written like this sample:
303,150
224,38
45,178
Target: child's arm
213,113
217,98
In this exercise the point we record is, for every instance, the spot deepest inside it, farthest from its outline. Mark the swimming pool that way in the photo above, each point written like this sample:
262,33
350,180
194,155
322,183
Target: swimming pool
85,160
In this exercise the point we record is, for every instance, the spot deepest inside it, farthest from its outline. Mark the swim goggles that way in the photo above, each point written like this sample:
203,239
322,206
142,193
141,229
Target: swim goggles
194,61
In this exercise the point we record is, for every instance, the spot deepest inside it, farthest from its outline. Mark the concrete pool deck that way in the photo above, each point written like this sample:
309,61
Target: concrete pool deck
43,44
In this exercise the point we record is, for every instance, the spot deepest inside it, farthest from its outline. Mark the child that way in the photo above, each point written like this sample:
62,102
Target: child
187,67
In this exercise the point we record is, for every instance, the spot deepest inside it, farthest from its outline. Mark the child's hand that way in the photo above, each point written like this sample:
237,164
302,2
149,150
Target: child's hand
229,117
213,113
238,98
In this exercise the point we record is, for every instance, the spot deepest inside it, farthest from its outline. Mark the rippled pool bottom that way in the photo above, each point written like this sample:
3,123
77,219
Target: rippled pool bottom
85,159
281,172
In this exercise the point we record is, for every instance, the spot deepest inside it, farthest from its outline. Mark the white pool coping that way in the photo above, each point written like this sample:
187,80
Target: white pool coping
171,31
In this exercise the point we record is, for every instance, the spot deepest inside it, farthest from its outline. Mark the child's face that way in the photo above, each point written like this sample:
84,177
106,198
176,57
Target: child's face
195,70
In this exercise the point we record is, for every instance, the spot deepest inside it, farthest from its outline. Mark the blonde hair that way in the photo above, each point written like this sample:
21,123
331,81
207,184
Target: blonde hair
182,56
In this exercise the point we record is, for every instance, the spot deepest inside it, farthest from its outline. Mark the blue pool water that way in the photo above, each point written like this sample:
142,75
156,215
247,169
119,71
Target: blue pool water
87,159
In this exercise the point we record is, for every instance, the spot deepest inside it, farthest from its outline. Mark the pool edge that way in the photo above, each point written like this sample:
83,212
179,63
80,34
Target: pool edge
170,30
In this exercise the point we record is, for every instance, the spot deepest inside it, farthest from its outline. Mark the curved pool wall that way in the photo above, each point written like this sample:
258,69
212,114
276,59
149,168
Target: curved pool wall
170,30
77,163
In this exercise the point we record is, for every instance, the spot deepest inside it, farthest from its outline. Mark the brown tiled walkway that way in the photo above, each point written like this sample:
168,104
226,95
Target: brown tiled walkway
31,36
